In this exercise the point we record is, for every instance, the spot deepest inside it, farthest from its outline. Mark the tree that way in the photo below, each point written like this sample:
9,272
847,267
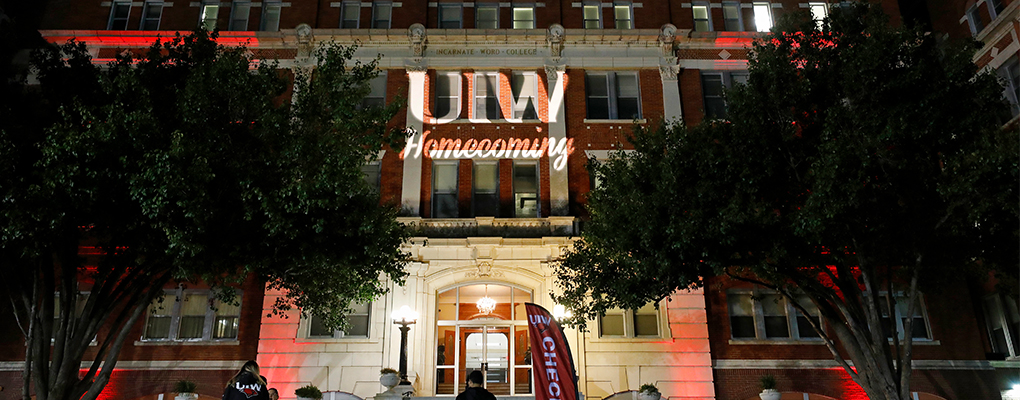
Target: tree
859,161
186,164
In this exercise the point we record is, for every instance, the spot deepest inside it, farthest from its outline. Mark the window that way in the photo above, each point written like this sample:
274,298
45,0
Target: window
768,315
524,89
371,172
624,15
702,23
450,15
713,85
377,96
1003,322
642,322
487,16
762,16
381,14
444,190
819,11
995,8
592,15
919,329
271,11
358,321
350,14
1010,74
447,96
485,186
151,14
239,16
613,95
526,190
731,17
974,19
79,306
487,96
119,13
524,17
209,14
191,315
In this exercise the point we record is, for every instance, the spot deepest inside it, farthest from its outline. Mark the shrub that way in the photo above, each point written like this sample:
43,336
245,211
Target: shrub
309,391
767,382
385,371
648,388
184,386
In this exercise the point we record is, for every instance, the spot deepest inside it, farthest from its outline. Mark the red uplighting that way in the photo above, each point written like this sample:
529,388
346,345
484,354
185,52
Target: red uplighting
140,39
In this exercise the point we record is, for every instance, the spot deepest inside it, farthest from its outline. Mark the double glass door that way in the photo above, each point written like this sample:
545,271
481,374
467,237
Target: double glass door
495,343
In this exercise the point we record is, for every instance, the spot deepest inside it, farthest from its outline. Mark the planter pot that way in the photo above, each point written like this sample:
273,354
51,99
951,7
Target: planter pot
186,396
389,380
305,398
770,394
649,395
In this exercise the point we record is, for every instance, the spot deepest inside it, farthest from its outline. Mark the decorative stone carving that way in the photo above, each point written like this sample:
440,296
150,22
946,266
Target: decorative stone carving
304,34
668,72
416,34
554,38
484,271
416,67
667,37
551,71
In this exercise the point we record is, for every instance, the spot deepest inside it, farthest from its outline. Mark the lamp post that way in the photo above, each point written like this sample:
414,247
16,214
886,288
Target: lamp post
404,317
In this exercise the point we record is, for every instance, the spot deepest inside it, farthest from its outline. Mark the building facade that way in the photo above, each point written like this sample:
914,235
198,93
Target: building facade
508,101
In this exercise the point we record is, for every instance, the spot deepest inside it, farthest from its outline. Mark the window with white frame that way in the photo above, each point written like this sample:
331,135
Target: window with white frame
524,16
447,95
592,14
732,18
758,314
919,328
371,172
119,13
377,95
152,12
485,189
444,189
702,22
239,12
79,306
1009,72
451,15
713,86
995,7
487,96
762,16
210,12
974,19
382,13
271,11
1003,321
350,14
526,204
358,320
613,95
524,89
191,315
819,11
487,16
623,13
642,322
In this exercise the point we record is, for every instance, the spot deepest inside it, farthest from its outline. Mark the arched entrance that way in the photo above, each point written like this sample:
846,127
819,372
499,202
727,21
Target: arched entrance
470,337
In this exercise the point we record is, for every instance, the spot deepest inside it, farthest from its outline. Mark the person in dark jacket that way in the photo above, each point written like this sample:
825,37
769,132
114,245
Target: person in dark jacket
474,390
247,384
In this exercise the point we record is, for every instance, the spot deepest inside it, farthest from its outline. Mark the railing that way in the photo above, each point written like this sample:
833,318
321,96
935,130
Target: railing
491,226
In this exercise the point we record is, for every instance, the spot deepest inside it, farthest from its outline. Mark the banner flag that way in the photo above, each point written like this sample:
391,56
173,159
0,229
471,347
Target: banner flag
553,365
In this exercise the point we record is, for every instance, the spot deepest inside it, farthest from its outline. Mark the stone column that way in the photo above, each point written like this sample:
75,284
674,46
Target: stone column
410,197
558,193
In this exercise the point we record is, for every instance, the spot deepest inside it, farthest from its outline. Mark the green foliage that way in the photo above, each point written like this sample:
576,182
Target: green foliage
308,391
648,388
188,163
184,386
856,157
385,371
767,382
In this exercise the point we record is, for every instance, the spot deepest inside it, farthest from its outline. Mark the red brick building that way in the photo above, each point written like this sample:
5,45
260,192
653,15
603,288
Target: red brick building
508,101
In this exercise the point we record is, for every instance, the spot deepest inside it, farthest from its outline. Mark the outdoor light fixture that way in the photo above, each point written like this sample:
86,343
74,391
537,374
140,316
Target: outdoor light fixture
560,312
486,305
404,317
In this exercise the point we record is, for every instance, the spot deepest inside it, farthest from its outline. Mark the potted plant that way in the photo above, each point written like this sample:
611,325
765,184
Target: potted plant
308,392
185,390
648,391
768,388
388,377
